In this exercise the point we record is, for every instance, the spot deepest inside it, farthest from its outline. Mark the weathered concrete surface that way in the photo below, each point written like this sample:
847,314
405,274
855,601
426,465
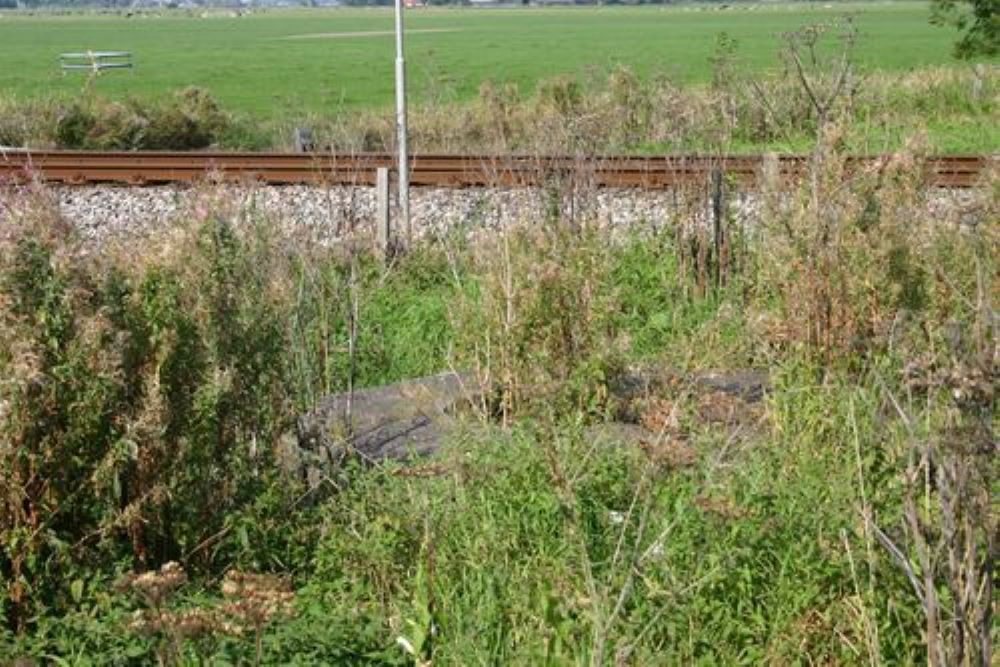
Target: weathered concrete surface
412,419
748,384
393,422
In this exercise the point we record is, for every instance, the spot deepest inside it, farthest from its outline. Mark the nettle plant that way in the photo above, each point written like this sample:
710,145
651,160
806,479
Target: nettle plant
139,397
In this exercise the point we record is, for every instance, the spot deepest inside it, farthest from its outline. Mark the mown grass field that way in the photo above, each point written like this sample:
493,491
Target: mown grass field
332,60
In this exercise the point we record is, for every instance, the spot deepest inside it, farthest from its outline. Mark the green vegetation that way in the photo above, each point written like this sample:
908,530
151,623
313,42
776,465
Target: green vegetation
253,64
979,25
144,397
150,509
740,112
740,91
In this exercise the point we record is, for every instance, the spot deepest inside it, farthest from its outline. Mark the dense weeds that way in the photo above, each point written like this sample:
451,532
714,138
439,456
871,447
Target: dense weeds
135,395
592,112
617,111
849,518
189,119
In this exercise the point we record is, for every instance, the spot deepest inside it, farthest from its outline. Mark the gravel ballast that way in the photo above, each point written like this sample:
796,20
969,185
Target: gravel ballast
327,214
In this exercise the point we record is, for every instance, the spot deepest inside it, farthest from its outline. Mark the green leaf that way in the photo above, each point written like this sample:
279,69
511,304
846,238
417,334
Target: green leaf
135,651
76,590
660,320
244,538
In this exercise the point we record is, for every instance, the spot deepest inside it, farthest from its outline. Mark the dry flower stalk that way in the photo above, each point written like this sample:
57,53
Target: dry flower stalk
256,599
156,585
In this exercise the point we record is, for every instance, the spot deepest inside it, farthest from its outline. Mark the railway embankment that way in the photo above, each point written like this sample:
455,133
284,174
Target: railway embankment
326,214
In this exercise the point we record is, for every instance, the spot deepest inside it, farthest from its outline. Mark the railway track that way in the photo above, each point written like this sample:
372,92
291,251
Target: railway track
449,171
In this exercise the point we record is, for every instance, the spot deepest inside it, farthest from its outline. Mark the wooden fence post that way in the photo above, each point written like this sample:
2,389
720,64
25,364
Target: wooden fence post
717,230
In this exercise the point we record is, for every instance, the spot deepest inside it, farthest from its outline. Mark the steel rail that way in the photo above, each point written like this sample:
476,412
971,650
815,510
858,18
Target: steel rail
457,171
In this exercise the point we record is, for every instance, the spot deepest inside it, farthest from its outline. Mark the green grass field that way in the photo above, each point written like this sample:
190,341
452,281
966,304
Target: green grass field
270,63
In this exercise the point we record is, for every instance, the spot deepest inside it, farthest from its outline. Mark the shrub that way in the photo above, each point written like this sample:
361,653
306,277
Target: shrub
140,399
191,119
853,257
22,122
538,324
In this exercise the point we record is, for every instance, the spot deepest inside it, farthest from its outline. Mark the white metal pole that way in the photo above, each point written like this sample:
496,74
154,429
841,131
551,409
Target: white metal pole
403,166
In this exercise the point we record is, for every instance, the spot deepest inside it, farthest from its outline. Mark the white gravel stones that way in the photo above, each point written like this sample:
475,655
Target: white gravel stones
325,214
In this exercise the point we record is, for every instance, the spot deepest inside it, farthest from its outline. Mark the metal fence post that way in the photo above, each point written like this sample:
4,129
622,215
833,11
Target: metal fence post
403,165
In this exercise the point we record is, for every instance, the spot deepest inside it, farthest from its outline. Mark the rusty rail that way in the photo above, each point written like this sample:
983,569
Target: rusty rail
452,171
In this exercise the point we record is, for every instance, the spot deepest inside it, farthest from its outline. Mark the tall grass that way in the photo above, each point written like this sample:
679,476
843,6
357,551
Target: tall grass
145,395
740,112
614,111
